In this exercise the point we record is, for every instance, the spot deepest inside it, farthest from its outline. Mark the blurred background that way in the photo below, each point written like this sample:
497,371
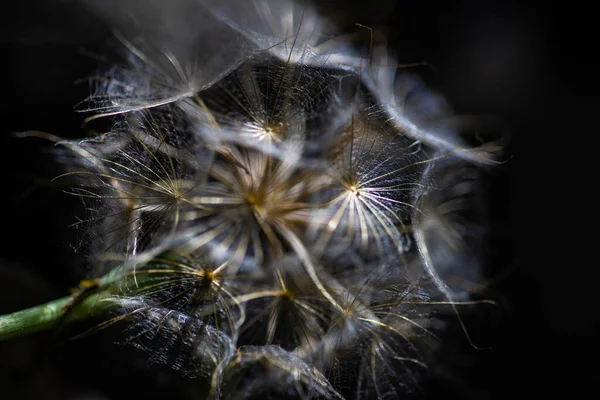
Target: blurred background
529,66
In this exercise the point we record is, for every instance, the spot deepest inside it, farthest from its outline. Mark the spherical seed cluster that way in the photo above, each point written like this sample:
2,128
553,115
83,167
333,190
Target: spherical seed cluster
277,216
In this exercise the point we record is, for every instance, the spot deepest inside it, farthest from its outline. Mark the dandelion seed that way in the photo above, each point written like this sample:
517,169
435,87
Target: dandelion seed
242,211
386,319
168,55
454,225
141,186
382,85
181,309
271,372
291,314
374,175
287,110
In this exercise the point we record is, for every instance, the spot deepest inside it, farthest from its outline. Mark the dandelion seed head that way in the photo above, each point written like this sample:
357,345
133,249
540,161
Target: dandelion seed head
285,221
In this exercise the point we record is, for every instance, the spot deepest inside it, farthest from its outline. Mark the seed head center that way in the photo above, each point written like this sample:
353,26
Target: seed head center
252,200
257,204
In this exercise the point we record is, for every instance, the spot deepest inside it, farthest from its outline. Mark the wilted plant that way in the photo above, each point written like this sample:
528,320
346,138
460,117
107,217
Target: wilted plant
265,213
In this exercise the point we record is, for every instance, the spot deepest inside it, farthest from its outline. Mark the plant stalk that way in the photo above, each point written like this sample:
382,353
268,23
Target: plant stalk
80,305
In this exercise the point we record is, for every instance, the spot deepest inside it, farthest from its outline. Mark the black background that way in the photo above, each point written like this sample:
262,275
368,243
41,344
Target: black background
531,66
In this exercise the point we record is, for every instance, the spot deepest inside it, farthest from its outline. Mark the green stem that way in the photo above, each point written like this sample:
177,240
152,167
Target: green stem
32,320
46,316
79,306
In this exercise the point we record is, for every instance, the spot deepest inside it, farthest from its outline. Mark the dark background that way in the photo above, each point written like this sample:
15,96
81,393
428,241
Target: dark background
530,66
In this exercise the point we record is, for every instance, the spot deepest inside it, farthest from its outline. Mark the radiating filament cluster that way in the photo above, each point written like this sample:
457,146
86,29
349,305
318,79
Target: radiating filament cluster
266,224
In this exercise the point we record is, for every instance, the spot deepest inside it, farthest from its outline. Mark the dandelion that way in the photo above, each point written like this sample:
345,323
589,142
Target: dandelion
282,226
